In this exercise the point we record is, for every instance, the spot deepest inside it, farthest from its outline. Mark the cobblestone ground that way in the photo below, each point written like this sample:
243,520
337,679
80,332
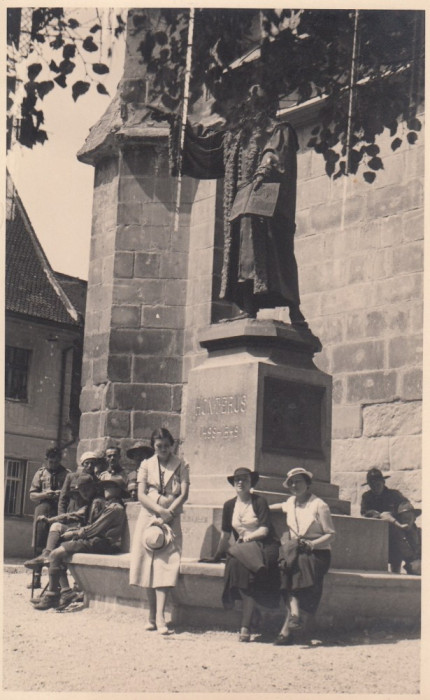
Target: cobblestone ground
86,650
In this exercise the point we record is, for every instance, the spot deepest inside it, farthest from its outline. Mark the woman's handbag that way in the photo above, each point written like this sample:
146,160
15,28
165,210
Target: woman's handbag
250,554
297,562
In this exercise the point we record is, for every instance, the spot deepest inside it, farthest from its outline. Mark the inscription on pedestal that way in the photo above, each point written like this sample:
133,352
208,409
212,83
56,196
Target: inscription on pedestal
292,418
214,407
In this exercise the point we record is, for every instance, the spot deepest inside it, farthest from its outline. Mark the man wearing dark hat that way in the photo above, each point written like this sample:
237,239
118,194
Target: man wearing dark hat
139,451
103,536
381,502
44,492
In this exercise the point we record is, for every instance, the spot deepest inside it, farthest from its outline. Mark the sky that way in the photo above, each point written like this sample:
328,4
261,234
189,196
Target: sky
55,188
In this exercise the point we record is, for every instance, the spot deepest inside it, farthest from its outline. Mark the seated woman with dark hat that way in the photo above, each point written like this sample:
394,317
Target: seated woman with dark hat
305,558
251,572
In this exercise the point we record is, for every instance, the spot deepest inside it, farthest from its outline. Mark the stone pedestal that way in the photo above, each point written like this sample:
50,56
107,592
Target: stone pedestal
258,401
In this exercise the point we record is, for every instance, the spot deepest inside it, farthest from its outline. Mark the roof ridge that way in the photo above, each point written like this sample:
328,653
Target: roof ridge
49,272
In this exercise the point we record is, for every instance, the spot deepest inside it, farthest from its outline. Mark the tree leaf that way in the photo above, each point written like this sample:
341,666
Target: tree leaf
396,144
412,137
101,89
79,88
69,51
375,163
161,38
89,45
414,124
95,28
58,42
41,136
53,66
369,176
73,23
67,66
34,70
44,87
100,68
372,150
61,80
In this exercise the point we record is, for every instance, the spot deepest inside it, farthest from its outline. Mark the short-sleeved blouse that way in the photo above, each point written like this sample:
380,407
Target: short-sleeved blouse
311,519
173,475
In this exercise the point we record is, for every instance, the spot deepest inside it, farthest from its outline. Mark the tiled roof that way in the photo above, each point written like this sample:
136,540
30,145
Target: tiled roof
76,290
31,286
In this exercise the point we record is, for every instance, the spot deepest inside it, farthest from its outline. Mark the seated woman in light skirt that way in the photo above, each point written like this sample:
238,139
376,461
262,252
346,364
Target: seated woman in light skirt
307,554
163,485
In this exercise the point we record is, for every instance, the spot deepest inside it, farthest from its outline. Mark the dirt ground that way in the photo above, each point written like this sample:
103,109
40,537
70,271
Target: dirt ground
85,649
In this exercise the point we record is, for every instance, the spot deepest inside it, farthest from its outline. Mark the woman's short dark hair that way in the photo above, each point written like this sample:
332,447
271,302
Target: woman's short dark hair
161,434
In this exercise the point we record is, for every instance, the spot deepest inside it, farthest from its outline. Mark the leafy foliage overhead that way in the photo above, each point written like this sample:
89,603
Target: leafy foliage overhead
56,34
366,67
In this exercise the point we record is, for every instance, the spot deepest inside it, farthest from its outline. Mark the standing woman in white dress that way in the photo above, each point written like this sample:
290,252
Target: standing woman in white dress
163,485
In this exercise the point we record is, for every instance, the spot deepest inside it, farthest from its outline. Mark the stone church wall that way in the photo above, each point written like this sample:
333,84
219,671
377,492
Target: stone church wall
359,249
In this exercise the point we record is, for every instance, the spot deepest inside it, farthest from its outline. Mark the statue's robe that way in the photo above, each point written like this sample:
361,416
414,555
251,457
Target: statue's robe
256,248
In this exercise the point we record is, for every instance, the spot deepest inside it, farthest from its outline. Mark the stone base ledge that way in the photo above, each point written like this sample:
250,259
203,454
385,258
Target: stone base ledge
351,600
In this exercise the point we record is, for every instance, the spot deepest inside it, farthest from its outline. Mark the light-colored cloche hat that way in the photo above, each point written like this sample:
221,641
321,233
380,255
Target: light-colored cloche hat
296,472
90,455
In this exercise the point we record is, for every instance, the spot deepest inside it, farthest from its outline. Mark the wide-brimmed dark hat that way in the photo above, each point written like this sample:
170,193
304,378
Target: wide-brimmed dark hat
374,473
243,471
116,480
142,446
406,507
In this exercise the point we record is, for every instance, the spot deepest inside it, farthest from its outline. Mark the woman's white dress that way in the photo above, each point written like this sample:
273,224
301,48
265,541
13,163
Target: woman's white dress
160,568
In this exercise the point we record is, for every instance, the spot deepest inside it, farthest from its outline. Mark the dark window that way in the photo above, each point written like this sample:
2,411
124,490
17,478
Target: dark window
17,365
14,486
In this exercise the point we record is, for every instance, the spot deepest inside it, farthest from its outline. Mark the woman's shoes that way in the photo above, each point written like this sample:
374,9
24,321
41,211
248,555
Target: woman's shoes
283,640
150,626
162,627
295,623
244,635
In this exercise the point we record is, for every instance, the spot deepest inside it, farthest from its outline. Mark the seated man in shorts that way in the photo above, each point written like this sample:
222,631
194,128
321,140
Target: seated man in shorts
103,536
88,507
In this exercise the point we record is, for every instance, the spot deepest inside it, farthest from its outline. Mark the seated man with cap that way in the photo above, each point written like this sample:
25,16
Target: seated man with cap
381,502
87,508
409,538
103,536
70,499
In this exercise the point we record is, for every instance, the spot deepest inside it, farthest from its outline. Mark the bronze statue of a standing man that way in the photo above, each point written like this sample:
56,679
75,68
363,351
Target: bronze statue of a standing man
259,266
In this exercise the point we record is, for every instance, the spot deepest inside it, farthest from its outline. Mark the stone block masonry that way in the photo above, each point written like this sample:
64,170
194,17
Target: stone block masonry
153,285
360,256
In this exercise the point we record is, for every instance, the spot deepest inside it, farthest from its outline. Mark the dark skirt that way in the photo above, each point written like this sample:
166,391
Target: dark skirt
262,586
308,598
